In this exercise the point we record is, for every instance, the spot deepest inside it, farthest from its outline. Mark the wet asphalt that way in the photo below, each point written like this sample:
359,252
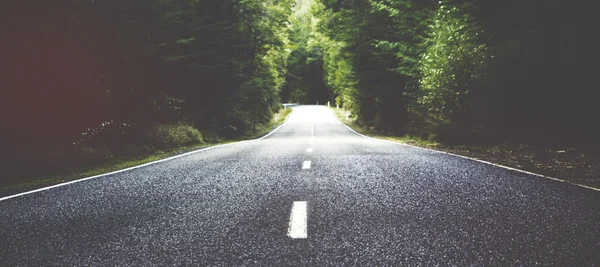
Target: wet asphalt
369,203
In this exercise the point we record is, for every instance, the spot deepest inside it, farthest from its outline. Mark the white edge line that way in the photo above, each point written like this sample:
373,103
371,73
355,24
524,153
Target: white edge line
474,159
145,164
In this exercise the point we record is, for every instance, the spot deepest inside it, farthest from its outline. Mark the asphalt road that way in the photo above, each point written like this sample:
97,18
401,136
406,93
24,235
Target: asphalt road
359,202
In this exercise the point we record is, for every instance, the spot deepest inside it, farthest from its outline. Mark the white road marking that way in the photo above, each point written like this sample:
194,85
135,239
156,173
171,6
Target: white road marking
309,150
297,228
306,165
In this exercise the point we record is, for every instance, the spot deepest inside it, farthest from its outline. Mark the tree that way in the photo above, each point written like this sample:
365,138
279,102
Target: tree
452,67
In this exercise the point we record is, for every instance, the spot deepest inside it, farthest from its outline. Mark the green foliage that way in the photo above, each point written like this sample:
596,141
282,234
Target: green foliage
304,83
264,26
401,65
427,68
185,41
456,69
452,66
331,39
138,63
173,135
404,41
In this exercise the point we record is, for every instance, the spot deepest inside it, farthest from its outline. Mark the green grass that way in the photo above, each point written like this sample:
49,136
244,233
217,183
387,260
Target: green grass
407,139
186,41
278,118
113,165
119,164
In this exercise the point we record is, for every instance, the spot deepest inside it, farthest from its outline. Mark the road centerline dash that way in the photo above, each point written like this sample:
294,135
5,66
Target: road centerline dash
306,165
297,226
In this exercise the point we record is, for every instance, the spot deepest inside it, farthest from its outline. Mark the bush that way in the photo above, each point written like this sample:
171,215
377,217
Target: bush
174,135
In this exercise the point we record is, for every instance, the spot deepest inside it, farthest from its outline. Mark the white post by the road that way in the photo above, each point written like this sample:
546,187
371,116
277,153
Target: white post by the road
347,114
327,103
337,106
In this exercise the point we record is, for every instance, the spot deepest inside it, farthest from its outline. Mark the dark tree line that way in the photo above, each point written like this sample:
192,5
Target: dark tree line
463,71
304,80
90,80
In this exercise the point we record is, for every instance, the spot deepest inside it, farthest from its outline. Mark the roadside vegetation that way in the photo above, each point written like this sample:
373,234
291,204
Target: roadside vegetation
99,83
504,81
165,141
460,72
565,163
94,82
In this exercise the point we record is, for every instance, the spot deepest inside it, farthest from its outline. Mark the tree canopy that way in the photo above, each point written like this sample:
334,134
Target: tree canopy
458,70
104,73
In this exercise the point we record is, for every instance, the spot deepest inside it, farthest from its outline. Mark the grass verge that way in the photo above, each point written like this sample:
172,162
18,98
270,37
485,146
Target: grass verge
119,164
564,163
278,119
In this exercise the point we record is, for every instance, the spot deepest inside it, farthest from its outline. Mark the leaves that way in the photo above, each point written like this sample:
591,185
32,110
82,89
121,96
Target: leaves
452,64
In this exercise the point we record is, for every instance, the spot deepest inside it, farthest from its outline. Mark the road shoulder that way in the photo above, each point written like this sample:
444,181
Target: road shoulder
120,165
565,165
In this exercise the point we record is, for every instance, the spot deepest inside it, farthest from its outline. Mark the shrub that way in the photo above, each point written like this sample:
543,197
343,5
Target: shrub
173,135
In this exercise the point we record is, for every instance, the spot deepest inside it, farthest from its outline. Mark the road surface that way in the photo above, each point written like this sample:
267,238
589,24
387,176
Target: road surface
312,193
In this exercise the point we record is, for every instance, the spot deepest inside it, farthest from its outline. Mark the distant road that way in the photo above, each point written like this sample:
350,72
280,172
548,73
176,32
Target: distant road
312,193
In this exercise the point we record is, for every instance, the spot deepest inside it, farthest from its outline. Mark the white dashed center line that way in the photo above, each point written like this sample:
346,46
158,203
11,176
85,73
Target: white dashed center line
297,228
306,165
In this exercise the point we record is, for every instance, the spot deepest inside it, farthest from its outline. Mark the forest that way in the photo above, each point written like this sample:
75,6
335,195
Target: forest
458,71
95,80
